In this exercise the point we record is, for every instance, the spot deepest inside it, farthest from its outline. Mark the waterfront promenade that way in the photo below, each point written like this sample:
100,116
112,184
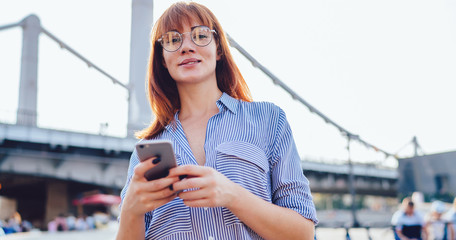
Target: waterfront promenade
109,233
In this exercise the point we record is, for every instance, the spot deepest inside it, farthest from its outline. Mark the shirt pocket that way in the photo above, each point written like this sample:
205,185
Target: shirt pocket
171,218
246,165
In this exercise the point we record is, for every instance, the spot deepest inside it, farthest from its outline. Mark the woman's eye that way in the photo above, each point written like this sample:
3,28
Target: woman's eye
175,40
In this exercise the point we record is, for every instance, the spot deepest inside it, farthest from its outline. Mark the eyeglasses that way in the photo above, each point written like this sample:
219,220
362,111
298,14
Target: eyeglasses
201,36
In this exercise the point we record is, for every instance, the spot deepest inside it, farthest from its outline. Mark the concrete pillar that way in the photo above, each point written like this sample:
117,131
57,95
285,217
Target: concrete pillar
56,200
139,113
28,89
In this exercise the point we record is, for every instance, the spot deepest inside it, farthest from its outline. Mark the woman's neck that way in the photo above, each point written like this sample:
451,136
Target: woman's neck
198,100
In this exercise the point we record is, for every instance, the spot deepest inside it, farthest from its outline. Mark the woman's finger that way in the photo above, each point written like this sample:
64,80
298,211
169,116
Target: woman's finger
189,170
194,182
144,166
160,184
161,202
195,194
159,195
139,199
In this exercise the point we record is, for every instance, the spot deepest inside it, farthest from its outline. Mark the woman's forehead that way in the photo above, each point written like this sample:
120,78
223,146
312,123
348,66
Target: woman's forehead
186,27
182,23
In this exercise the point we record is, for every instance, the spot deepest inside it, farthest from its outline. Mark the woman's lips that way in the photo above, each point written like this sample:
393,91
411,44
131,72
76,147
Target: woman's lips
189,61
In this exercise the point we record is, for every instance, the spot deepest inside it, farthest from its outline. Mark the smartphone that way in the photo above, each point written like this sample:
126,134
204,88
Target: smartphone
157,148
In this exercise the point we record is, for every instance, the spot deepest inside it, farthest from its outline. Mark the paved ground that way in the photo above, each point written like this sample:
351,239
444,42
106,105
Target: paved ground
355,234
109,234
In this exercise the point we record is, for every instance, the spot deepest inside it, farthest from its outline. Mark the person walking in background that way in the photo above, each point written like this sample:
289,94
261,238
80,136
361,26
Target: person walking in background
59,224
400,211
437,227
81,223
450,216
244,175
71,222
408,222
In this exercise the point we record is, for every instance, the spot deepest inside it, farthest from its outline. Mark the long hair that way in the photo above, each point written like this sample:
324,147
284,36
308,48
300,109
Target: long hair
162,89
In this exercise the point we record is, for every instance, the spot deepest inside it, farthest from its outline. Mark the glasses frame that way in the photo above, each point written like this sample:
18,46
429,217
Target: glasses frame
181,35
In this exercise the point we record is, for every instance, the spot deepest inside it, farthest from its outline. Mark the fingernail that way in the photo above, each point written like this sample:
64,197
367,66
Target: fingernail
157,160
182,177
171,187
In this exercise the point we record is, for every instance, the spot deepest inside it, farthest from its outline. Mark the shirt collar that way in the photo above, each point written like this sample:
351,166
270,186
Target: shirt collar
229,102
225,100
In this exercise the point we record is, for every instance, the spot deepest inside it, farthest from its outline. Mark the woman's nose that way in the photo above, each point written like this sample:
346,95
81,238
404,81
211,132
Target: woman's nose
187,44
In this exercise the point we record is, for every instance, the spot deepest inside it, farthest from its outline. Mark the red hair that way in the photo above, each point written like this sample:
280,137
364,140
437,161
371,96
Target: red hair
162,89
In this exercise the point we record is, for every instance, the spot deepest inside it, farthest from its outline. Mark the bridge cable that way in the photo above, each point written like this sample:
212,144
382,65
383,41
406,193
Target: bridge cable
295,96
89,63
71,50
8,26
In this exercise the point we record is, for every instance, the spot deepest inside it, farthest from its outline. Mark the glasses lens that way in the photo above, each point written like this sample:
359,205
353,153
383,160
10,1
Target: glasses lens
201,36
171,41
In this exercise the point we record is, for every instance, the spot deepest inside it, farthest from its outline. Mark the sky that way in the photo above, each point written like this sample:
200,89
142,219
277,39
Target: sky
384,70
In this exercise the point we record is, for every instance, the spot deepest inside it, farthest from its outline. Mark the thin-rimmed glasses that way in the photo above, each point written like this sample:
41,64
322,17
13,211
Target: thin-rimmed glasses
201,36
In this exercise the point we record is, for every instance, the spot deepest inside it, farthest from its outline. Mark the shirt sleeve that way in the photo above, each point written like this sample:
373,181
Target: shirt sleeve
134,160
395,217
399,223
290,188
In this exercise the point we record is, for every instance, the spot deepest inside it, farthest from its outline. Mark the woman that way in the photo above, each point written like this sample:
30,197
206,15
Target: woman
244,176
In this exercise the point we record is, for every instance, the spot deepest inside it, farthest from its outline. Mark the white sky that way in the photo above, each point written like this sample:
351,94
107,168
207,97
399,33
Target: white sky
385,70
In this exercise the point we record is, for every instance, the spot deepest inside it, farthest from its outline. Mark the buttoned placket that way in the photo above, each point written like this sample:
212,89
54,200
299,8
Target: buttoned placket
208,212
209,149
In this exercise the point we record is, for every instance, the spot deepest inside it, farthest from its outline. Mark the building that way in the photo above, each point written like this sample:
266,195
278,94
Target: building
434,175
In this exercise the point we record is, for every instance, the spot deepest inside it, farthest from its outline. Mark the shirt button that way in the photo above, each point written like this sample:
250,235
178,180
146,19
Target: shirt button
206,210
210,238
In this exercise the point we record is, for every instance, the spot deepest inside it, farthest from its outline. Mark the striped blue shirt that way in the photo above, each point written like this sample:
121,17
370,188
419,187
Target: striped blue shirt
251,144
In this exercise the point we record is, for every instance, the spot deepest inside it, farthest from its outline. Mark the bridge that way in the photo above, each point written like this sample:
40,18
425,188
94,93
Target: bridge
52,167
334,178
44,169
103,160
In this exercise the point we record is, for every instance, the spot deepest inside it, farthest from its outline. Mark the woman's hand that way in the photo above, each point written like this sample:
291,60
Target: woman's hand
143,196
212,189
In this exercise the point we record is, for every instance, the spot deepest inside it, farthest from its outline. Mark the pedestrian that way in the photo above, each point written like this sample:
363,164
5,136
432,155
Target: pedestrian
437,227
244,175
26,226
408,222
9,226
61,222
397,214
81,223
450,216
400,211
90,222
71,222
